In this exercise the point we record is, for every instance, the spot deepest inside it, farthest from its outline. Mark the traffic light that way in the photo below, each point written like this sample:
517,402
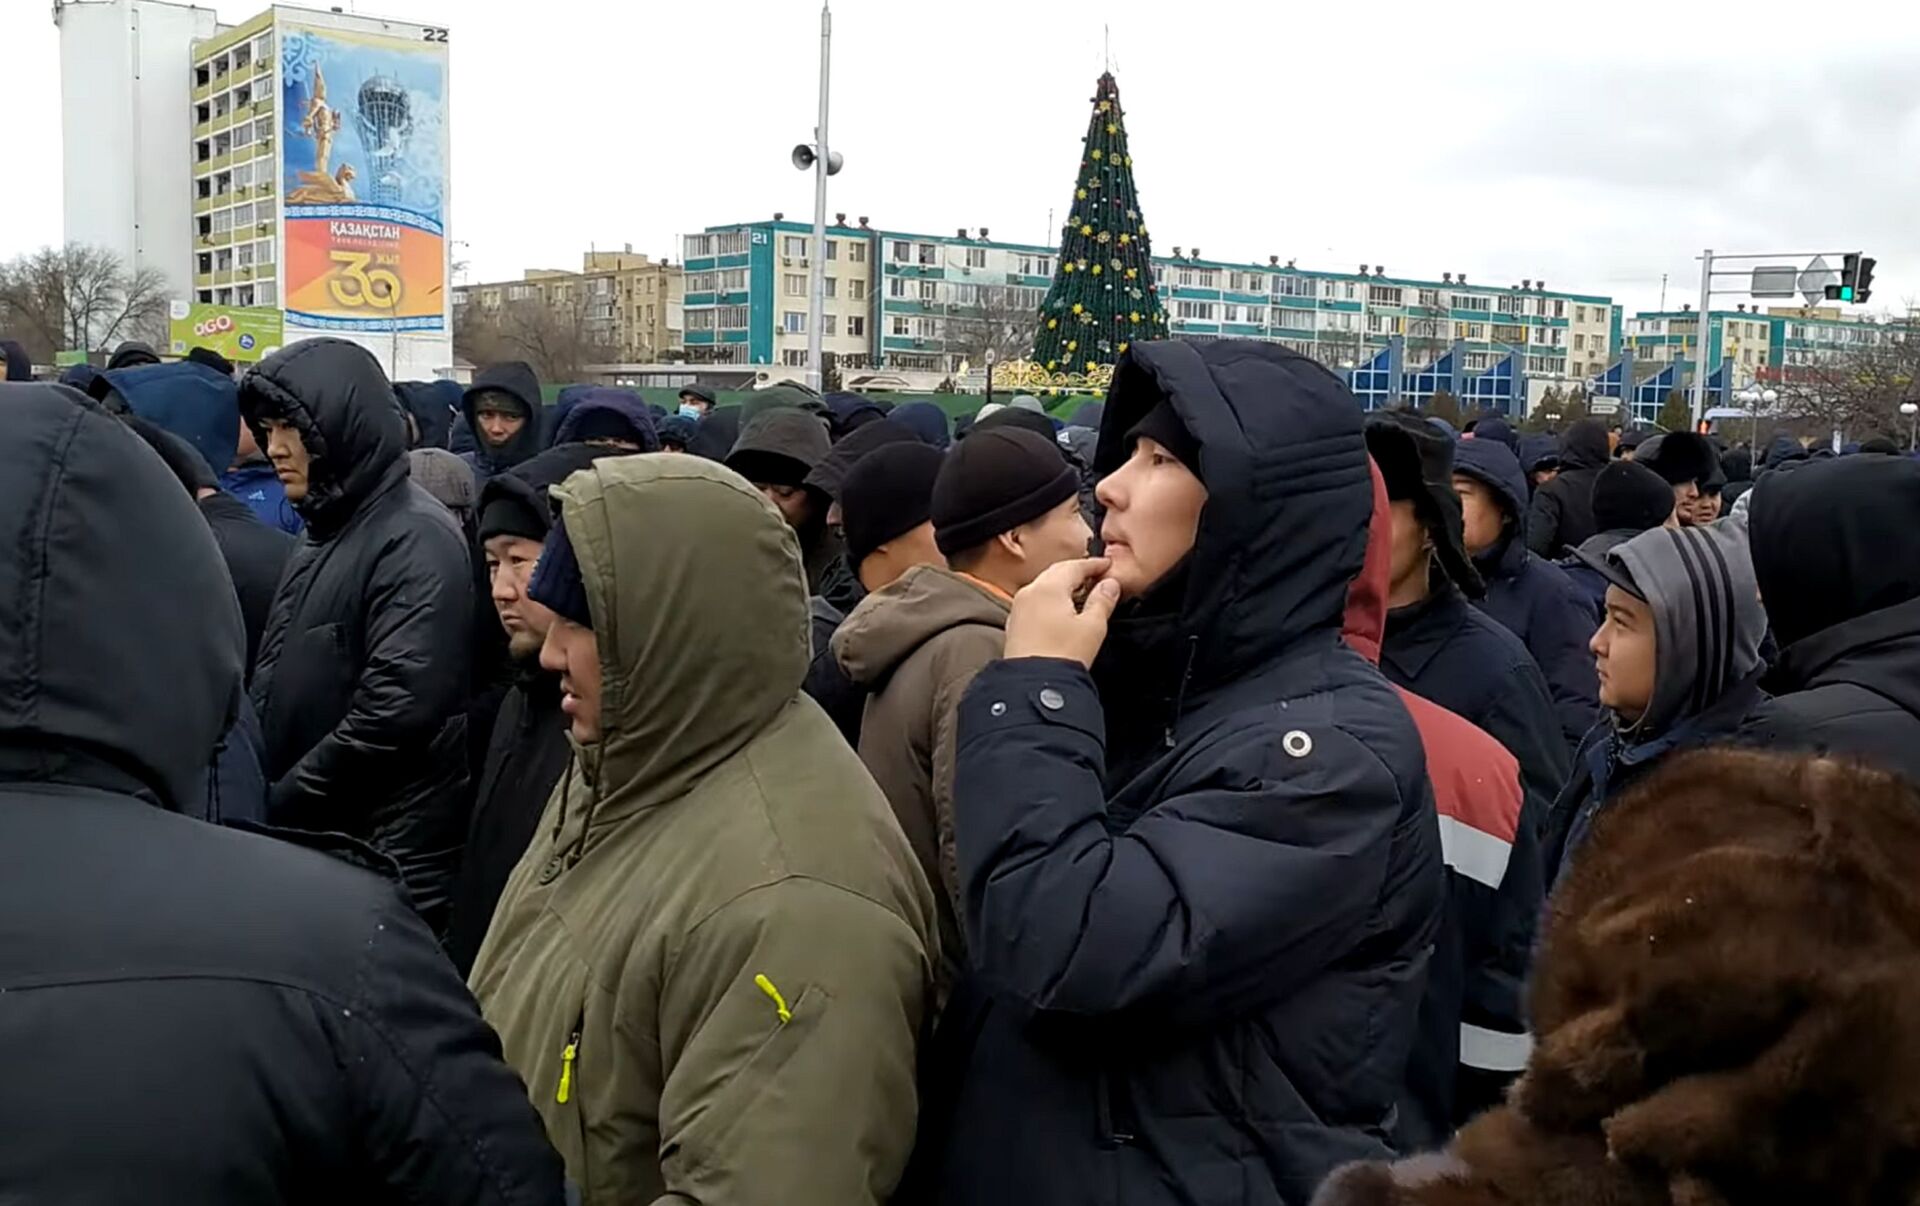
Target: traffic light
1856,280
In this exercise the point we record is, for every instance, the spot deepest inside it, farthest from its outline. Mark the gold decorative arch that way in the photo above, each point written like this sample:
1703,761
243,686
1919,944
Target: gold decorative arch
1032,377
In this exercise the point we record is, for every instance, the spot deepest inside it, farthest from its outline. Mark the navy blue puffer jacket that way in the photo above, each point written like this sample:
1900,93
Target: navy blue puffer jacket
1202,885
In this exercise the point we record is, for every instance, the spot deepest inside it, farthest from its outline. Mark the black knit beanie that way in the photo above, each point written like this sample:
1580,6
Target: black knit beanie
995,480
557,584
887,493
1628,496
515,503
1162,425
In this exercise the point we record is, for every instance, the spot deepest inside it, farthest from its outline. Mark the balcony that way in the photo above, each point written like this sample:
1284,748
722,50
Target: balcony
203,280
202,204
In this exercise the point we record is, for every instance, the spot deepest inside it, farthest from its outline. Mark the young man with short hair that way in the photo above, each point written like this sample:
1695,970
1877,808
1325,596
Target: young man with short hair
502,409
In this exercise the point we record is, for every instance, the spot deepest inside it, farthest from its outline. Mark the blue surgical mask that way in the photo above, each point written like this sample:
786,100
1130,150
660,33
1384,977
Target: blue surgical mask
689,411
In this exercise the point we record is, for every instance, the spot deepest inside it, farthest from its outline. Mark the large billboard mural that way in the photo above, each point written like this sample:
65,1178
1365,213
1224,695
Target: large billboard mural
364,166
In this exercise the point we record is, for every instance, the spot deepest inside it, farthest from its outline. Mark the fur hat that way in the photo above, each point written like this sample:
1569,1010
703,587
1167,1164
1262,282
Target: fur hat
1724,1003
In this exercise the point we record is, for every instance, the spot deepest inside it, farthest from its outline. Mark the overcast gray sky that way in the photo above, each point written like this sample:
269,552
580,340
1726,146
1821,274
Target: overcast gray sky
1595,145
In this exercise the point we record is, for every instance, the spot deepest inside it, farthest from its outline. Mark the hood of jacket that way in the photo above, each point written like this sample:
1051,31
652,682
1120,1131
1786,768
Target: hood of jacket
120,633
432,405
1495,428
1781,449
336,396
19,365
1835,540
892,622
516,379
194,402
719,431
1494,465
927,422
695,588
1364,626
1707,617
1289,497
1585,446
603,409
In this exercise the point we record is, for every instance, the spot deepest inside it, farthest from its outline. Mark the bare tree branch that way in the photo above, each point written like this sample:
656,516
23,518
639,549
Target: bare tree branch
80,297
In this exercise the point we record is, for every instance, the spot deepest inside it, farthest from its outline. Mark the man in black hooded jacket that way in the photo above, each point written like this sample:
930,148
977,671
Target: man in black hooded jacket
528,750
188,1012
362,675
502,410
1837,553
1562,509
1202,877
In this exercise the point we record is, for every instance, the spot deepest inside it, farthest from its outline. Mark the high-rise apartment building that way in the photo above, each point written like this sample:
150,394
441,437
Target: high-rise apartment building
623,302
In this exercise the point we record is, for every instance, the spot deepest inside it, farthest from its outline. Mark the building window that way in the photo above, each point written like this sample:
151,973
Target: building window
929,255
1293,286
896,286
1579,343
833,249
928,290
1473,301
1194,311
902,251
1383,295
1231,313
701,282
795,285
831,283
732,318
976,257
856,289
897,325
733,280
827,325
793,245
857,326
1559,308
793,322
694,247
1256,283
1579,315
1349,290
965,295
700,320
856,253
794,357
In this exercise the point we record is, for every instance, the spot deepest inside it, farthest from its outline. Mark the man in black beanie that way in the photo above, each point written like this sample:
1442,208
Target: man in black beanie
528,751
1006,508
777,451
918,640
1628,499
1437,644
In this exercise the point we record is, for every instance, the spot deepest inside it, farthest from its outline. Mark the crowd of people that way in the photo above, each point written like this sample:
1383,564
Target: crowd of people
1214,794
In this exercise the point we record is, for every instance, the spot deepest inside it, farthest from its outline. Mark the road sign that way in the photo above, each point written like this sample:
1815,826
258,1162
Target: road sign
1774,280
1814,281
1600,405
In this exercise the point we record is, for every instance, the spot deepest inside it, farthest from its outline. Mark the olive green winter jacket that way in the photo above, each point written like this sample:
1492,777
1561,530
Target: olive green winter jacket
713,962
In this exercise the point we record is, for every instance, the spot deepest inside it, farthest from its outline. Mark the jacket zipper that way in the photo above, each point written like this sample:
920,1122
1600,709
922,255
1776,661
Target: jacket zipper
567,1055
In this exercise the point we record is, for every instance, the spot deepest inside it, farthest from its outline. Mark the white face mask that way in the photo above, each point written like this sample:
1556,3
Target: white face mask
689,411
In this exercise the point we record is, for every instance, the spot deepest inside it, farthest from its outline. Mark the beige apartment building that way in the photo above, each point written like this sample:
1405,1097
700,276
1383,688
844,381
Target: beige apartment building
628,301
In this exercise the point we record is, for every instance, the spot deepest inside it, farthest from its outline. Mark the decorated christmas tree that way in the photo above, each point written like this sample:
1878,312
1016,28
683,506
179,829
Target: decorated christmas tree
1103,296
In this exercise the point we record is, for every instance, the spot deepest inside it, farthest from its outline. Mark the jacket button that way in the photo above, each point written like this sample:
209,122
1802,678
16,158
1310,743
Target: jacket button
551,871
998,709
1297,743
1052,700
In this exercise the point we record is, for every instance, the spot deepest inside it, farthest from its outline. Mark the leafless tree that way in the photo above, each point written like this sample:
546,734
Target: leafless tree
1856,390
80,297
996,322
559,338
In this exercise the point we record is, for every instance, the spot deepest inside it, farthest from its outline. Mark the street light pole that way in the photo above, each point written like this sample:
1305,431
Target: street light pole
816,285
1700,354
1912,411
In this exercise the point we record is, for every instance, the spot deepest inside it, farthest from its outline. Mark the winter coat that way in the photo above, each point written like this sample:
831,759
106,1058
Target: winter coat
18,364
434,406
719,431
257,485
190,1013
1724,1000
1201,896
361,680
916,645
256,556
1532,598
842,699
515,379
712,962
525,758
1837,555
1473,1031
592,408
1449,651
193,401
1561,515
1707,619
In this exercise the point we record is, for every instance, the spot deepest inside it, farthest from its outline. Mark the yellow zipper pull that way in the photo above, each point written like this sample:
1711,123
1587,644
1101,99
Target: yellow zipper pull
779,1002
567,1055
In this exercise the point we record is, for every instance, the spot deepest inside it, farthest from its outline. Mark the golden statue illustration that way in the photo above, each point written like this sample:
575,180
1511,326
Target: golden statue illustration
321,124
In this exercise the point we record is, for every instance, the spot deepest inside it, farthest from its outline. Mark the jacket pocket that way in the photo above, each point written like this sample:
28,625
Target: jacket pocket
312,688
755,1086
